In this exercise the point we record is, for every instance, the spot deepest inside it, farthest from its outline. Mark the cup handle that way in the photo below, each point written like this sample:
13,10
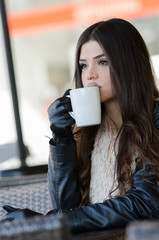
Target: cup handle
71,113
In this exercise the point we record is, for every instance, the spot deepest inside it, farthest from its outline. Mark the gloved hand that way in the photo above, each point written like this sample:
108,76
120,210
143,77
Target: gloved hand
17,213
156,114
60,120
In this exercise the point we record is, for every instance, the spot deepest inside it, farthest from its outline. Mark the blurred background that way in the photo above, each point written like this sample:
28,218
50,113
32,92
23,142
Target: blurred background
43,36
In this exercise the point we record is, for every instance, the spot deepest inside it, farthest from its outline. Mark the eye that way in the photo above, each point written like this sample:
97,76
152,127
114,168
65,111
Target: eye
103,62
82,66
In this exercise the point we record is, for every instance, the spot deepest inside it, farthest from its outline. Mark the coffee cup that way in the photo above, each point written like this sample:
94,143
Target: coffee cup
86,106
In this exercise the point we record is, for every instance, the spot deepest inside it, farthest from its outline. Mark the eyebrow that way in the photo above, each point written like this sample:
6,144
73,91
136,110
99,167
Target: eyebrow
96,57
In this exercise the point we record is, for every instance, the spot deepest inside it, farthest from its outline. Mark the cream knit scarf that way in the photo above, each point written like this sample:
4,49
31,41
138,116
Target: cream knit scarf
103,163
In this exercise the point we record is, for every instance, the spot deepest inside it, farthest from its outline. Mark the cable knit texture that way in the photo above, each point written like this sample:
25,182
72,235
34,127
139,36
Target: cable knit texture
103,163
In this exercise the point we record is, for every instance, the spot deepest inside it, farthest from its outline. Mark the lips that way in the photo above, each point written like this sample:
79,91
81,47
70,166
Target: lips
92,84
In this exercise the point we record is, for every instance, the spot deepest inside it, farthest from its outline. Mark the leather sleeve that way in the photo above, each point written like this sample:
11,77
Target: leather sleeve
140,202
63,187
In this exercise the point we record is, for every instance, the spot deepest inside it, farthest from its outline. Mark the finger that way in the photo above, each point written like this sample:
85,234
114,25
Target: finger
60,101
68,107
70,119
9,208
5,219
67,92
66,103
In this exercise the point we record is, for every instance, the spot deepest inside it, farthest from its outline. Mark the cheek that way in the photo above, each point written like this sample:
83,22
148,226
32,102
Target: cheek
106,93
83,80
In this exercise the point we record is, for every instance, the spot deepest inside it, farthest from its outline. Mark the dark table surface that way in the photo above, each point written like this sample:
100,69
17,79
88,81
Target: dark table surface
113,234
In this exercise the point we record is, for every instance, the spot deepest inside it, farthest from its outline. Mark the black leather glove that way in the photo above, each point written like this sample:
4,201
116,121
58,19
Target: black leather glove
60,120
17,213
156,114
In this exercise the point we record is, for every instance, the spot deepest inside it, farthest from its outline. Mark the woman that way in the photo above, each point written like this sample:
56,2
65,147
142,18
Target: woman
114,178
106,176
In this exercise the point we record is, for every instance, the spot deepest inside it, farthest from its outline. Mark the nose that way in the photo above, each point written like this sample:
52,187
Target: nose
92,73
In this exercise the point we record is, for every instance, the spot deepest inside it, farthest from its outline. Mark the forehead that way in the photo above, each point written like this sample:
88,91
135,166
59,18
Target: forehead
90,49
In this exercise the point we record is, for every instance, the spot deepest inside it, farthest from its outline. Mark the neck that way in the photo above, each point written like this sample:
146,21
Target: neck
113,112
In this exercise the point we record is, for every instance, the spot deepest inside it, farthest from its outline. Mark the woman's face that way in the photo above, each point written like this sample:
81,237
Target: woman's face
95,69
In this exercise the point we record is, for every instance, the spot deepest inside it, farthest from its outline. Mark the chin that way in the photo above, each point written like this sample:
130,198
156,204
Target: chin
108,99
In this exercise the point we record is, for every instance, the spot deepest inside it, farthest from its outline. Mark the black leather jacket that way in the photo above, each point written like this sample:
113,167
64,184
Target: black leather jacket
140,202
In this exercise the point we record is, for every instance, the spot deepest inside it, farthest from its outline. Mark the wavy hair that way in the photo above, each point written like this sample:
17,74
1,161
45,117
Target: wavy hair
133,81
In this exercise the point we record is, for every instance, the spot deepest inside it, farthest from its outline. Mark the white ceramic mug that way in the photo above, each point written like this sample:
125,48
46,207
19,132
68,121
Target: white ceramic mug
86,106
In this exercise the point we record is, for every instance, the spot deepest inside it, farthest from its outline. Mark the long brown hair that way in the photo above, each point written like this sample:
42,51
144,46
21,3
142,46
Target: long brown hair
133,81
